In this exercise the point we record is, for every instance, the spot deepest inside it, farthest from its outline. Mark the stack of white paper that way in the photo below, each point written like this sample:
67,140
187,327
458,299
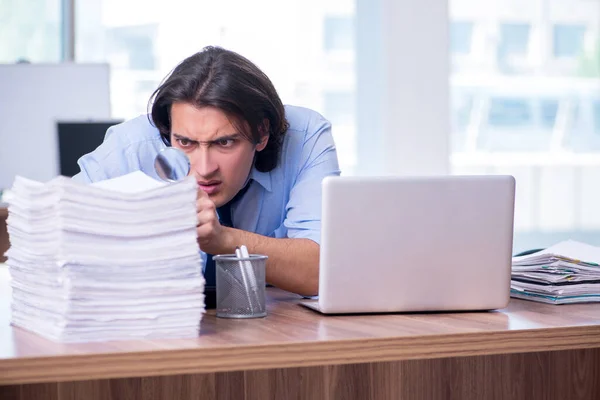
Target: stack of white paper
568,272
114,260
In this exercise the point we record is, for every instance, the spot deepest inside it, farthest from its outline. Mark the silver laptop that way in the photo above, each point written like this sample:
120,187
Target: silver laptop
392,244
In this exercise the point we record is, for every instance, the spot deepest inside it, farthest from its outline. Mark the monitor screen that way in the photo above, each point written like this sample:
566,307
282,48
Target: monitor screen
76,139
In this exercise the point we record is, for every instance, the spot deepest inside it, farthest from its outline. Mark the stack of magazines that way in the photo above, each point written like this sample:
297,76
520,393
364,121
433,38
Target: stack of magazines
568,272
109,261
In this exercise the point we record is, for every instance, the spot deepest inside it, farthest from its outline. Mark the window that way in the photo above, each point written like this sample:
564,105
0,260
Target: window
339,107
596,116
548,112
510,113
338,33
132,46
460,37
568,40
461,108
461,111
514,39
536,122
30,31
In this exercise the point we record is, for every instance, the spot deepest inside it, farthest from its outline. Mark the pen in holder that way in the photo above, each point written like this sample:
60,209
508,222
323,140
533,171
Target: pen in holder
240,281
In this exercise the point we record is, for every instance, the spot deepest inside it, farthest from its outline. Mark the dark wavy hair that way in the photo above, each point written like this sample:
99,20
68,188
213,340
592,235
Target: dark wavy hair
215,77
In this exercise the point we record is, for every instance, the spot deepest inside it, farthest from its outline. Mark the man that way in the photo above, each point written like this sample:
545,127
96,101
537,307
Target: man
259,165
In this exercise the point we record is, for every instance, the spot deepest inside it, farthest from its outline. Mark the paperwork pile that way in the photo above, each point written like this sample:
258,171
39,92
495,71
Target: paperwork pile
568,272
109,261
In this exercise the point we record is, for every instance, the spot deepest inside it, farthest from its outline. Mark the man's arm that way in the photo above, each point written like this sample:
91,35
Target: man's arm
293,264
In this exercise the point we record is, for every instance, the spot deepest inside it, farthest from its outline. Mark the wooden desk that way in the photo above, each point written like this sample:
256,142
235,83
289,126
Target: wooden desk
526,351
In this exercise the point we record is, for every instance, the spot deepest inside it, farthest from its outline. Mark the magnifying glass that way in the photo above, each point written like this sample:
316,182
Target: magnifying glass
171,164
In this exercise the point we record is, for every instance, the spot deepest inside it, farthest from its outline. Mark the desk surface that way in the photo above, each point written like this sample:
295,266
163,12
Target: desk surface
292,336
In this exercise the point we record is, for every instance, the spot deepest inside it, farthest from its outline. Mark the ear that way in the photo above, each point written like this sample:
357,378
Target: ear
264,135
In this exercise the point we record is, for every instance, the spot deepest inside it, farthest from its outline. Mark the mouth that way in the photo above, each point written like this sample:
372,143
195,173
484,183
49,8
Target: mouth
210,187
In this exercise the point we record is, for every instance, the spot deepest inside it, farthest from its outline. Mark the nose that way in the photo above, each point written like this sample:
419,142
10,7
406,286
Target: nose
203,162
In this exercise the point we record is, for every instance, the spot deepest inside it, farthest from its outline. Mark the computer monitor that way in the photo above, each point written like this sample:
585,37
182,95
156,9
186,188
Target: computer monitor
77,138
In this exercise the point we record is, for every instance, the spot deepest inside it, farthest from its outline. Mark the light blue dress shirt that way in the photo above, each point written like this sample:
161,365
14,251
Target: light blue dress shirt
285,202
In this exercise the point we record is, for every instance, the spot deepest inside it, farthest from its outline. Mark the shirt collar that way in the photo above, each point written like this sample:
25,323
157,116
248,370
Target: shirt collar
263,178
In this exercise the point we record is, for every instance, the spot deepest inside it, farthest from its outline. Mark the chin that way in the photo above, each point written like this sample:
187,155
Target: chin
218,199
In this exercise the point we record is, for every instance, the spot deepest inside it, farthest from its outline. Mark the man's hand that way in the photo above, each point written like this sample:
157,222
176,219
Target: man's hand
209,230
293,264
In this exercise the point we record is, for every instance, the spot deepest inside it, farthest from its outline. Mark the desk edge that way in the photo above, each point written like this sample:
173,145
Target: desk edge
76,367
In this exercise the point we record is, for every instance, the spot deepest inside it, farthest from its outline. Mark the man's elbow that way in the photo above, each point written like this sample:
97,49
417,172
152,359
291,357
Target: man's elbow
308,285
311,287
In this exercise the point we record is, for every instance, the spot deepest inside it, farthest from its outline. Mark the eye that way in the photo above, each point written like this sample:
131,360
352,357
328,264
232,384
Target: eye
225,142
184,143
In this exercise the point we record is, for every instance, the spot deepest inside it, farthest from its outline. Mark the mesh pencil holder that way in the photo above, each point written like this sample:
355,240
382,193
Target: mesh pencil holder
240,286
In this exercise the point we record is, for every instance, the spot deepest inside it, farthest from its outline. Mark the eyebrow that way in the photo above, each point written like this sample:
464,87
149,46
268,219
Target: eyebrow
224,137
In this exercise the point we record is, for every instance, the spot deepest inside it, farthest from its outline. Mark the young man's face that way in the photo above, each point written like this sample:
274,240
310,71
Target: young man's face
220,156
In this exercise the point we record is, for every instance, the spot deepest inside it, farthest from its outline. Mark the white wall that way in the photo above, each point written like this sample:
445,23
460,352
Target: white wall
32,98
403,87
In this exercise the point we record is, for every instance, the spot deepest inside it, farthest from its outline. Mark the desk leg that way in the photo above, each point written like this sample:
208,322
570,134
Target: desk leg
573,374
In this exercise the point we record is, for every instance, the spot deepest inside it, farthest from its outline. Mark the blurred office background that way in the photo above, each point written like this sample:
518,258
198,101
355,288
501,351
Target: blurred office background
412,87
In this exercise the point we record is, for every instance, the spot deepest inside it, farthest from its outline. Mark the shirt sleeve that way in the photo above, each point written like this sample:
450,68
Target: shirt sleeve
102,163
119,154
318,160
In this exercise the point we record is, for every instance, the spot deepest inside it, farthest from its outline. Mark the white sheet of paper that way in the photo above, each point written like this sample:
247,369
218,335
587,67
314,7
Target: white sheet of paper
134,182
568,249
